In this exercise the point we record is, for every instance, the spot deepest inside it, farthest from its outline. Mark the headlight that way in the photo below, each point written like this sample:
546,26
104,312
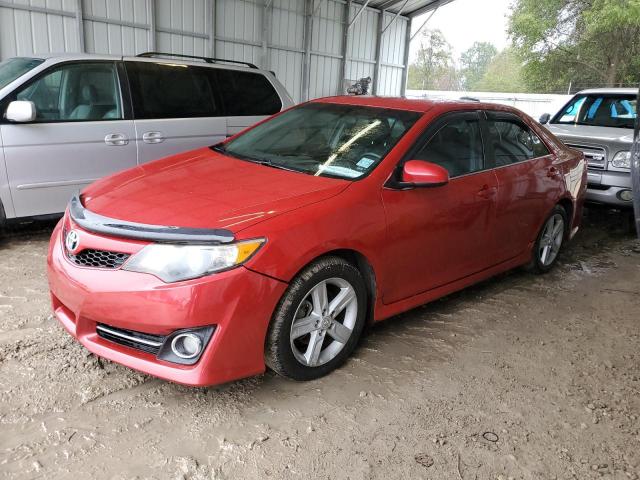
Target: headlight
622,160
172,263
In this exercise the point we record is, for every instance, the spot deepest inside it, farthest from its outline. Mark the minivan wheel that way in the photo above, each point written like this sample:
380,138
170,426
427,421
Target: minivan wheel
549,242
318,320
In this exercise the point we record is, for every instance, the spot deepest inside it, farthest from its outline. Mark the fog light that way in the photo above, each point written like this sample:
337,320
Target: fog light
625,195
186,345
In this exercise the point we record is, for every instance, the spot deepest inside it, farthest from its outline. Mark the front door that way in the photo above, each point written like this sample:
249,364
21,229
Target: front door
439,235
80,134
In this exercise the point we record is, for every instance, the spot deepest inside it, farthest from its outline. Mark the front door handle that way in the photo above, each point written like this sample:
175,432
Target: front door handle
553,172
486,192
116,139
153,137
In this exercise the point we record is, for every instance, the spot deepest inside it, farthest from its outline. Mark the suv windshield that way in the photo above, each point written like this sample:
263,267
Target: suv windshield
323,139
601,110
15,67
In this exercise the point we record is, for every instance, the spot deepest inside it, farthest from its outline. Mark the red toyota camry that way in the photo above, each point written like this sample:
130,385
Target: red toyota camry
277,247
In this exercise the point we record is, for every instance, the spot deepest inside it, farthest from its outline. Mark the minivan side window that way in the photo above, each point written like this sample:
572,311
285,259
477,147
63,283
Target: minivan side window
77,92
247,93
161,90
457,146
513,142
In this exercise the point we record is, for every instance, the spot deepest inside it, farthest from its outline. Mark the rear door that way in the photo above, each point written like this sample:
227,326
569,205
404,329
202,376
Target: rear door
528,182
176,108
82,132
248,97
440,235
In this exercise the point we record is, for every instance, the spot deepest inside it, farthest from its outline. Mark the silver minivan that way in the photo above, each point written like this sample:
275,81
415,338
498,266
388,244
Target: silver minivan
68,120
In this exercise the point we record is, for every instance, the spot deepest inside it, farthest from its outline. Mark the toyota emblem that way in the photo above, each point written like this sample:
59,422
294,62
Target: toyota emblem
72,241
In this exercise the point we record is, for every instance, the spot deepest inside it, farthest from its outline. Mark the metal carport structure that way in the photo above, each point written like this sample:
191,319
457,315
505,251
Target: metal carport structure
315,47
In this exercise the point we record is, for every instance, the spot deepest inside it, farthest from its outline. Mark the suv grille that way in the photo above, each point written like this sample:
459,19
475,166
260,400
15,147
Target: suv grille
99,259
129,338
596,156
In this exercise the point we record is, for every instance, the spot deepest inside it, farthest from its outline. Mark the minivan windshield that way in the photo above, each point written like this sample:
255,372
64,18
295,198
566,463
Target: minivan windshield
324,139
16,67
599,110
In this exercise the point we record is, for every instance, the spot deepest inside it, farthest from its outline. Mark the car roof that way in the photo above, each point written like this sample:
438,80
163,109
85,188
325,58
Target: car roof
421,105
624,91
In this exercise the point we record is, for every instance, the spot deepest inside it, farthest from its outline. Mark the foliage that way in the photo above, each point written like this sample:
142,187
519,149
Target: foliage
474,64
580,42
434,68
503,74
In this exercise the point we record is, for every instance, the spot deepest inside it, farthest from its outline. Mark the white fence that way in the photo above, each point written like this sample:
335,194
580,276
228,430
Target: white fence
534,104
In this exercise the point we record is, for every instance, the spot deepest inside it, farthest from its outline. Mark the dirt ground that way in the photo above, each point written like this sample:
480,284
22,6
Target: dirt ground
521,377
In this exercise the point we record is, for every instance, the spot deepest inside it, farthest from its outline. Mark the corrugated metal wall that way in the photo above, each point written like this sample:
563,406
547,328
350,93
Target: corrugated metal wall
235,29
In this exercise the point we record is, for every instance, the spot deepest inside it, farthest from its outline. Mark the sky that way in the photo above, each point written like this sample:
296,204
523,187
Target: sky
466,21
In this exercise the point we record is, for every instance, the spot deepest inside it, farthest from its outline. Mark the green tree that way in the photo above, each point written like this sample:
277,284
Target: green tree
434,68
584,42
474,63
503,74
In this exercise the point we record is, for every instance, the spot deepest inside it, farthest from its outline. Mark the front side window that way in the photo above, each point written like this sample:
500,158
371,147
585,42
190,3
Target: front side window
14,68
323,139
162,90
457,146
76,92
513,142
599,110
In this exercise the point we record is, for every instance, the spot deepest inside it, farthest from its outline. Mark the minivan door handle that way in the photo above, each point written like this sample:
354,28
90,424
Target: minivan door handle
116,139
153,137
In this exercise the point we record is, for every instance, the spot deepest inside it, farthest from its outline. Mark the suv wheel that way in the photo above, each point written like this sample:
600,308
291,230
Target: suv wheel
318,321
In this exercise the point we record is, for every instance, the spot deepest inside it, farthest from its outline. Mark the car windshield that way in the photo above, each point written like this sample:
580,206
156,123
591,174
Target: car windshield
601,110
15,67
324,139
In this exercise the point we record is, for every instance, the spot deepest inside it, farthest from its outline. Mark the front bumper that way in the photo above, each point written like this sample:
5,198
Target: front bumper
605,186
238,302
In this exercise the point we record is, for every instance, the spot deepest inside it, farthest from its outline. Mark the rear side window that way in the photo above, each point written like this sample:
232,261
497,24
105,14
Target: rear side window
246,93
457,146
514,142
171,91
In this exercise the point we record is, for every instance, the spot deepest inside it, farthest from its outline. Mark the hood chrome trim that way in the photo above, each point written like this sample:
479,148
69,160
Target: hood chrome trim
94,222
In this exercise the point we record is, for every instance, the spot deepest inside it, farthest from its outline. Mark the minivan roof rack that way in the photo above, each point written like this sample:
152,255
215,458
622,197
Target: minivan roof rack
206,59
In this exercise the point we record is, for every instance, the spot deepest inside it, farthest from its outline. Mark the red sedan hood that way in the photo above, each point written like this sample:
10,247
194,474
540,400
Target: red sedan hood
204,189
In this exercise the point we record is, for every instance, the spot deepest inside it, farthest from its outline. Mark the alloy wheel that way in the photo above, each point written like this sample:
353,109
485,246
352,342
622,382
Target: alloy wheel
324,322
551,239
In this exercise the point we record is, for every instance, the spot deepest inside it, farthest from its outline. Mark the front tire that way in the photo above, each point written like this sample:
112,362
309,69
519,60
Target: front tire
549,241
318,320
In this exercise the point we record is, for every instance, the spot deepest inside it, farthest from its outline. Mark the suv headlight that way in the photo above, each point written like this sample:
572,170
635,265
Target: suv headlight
173,263
622,160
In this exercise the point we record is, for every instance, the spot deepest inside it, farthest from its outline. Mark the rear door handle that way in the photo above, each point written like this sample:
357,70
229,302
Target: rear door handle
116,139
553,172
153,137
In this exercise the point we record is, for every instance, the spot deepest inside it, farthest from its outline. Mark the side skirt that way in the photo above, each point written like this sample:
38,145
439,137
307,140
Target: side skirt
385,311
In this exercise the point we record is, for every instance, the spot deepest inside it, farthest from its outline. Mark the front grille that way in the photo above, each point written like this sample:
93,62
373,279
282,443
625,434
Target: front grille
129,338
99,258
596,156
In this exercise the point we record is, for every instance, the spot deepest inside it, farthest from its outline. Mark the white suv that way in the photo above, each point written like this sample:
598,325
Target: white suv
66,121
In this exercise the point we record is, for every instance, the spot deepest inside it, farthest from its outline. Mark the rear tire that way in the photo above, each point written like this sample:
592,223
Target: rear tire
549,242
318,320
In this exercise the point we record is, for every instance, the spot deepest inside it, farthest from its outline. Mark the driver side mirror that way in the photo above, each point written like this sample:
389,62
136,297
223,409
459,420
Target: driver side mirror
544,118
422,174
21,111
